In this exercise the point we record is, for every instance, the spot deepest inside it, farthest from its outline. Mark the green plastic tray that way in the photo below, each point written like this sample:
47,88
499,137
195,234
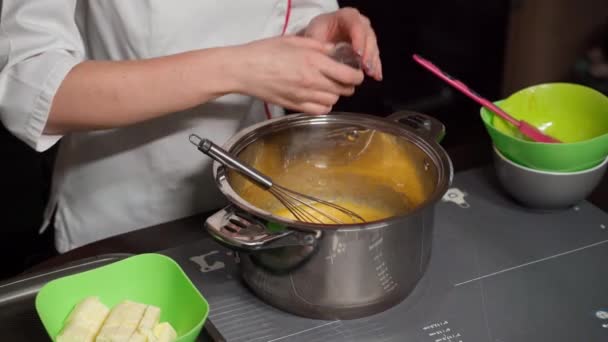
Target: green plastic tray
151,279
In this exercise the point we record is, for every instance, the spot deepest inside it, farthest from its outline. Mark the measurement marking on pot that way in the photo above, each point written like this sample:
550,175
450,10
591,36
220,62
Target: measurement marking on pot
533,262
303,331
376,243
390,287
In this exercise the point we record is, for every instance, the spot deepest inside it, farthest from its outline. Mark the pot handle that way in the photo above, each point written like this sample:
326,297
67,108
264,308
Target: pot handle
239,230
422,123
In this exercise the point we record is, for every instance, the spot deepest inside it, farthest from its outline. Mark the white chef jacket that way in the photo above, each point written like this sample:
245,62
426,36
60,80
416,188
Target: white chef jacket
115,181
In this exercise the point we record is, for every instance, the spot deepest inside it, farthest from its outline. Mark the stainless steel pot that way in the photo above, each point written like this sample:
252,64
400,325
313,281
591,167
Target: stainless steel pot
395,165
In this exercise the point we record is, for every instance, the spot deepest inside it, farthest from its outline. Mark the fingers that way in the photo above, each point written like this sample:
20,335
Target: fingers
313,108
337,71
350,22
319,97
311,101
298,73
308,99
309,43
342,74
371,56
363,39
380,76
329,85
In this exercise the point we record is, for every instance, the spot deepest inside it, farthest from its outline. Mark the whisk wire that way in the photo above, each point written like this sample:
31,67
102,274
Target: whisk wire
299,210
298,214
305,200
333,205
302,207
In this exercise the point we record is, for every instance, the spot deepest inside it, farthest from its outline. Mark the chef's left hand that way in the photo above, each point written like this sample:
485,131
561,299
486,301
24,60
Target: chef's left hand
348,24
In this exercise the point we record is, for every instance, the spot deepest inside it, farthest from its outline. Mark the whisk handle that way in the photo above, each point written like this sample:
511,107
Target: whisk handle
223,157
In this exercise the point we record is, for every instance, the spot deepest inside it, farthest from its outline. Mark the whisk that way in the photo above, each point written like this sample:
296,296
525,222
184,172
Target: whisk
304,208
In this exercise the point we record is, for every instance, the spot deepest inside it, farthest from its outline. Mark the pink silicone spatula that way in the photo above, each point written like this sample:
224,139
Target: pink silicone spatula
525,128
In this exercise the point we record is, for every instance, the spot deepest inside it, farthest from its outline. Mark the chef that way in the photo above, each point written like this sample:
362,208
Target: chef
122,84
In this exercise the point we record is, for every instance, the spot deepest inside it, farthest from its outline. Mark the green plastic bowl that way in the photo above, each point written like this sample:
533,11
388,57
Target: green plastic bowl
574,114
151,279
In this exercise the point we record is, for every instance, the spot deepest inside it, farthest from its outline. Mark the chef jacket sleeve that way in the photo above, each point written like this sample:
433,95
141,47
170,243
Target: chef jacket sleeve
303,11
39,44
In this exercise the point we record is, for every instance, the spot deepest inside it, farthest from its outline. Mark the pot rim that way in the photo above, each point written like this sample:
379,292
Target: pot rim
248,135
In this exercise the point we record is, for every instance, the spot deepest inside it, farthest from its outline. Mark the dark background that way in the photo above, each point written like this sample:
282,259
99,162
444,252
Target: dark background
464,38
474,40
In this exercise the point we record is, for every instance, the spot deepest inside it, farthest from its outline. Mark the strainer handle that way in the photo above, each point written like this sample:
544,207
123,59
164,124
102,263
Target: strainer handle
241,231
427,126
220,155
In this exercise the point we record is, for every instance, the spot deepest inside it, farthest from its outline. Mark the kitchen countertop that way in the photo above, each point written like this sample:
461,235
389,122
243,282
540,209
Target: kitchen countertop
179,232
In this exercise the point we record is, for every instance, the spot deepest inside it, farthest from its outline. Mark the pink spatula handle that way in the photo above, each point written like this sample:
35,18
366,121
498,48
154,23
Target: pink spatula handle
464,89
527,129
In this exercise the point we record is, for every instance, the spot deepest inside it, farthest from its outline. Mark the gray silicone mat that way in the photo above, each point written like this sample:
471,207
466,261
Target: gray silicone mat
498,273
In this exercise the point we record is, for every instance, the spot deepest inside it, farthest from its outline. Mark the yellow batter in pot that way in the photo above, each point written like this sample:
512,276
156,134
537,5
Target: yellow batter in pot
366,212
386,176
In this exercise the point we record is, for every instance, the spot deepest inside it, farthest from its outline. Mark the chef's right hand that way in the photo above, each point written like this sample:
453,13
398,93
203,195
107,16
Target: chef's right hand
295,73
